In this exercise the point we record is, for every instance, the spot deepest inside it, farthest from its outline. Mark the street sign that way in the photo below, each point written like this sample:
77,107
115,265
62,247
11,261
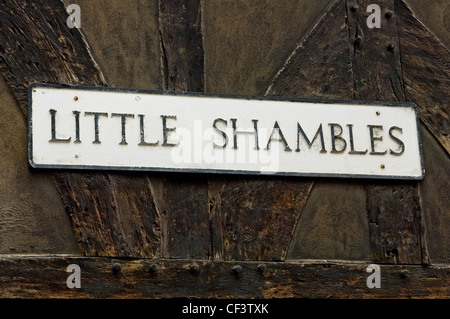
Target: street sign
118,129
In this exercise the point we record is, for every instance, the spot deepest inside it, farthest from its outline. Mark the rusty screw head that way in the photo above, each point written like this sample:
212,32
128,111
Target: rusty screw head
404,274
262,268
153,268
237,269
116,267
75,98
194,268
389,14
382,166
391,47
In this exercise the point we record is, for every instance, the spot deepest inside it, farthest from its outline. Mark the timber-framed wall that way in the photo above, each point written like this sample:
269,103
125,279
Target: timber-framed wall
153,235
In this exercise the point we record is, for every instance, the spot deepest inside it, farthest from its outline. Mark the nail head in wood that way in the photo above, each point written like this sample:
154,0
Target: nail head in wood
194,268
262,268
116,267
153,268
237,269
389,14
404,274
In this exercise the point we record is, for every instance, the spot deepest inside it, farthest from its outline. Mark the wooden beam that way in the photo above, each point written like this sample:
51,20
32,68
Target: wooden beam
103,278
255,219
320,66
36,45
394,208
426,73
185,202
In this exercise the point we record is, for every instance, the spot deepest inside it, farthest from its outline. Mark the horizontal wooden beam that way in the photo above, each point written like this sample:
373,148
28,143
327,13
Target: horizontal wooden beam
105,278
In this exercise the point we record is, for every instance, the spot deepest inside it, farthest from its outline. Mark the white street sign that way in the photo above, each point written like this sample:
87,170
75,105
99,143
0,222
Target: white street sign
114,129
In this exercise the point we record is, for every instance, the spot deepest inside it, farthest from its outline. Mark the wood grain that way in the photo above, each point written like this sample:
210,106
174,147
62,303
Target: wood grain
32,218
124,40
333,223
243,208
154,278
426,72
37,46
394,208
185,201
436,205
254,219
181,40
320,66
247,42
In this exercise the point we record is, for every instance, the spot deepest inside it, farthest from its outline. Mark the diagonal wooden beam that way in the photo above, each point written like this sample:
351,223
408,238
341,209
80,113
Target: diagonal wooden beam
426,73
36,45
321,67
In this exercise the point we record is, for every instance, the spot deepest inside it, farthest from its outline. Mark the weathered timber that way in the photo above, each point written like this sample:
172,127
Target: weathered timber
254,219
181,40
435,188
37,46
394,209
320,66
123,37
186,228
375,54
333,223
426,73
32,218
245,43
241,210
107,278
185,202
434,16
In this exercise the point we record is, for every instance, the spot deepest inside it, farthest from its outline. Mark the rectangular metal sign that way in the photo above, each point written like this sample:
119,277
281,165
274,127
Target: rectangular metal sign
102,128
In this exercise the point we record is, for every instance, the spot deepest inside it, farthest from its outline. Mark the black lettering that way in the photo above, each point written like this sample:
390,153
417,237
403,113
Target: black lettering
276,128
123,122
375,138
310,143
397,140
335,137
53,129
224,135
142,131
236,132
96,116
352,143
77,126
167,130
